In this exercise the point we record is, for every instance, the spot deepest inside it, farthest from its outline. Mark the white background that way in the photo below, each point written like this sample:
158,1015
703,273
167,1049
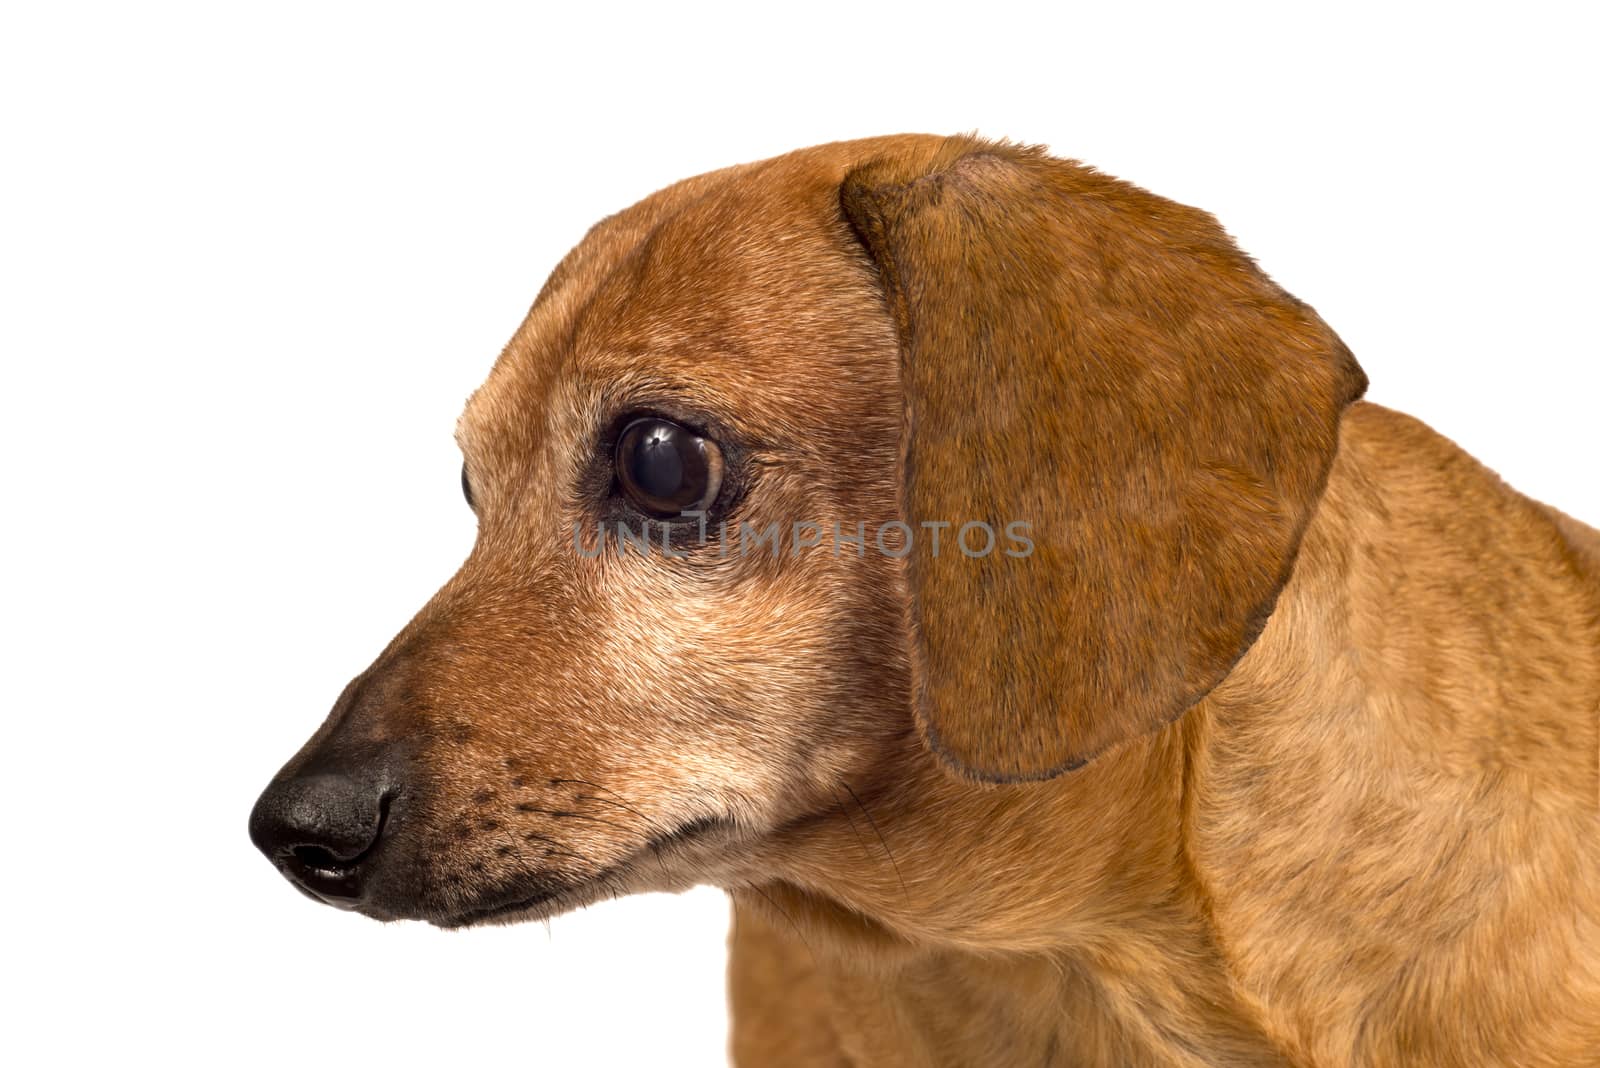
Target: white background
254,258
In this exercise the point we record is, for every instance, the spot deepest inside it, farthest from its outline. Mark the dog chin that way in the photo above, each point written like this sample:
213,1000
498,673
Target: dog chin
670,863
537,905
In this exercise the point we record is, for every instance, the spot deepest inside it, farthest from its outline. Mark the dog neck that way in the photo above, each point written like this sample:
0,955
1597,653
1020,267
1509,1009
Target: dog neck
1066,909
1117,912
1122,913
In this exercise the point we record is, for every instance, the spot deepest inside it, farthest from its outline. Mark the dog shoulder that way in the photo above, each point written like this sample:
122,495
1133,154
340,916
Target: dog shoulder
1415,725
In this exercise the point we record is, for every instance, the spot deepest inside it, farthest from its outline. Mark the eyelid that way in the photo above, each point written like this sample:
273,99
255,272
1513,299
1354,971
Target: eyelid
671,406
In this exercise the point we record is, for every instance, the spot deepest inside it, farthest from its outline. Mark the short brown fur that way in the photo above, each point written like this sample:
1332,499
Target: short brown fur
1280,749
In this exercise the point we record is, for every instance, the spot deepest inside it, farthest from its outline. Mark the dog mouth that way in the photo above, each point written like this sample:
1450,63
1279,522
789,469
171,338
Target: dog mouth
546,897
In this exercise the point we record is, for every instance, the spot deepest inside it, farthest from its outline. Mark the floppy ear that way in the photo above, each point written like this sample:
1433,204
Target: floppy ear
1106,367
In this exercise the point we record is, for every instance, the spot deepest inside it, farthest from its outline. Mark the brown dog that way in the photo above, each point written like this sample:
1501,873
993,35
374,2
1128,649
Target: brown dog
1233,721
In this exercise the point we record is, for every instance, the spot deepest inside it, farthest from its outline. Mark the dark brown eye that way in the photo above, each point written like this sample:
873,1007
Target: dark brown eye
667,469
466,489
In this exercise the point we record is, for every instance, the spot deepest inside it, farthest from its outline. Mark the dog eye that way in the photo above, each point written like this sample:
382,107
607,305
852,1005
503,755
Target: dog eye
667,469
466,489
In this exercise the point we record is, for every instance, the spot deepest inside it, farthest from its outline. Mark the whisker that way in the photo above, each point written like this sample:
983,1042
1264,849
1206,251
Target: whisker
620,802
874,825
660,864
553,846
510,847
629,808
798,930
568,814
845,812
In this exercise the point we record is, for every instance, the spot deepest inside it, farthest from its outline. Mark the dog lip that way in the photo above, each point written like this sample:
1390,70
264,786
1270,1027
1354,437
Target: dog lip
347,902
338,885
690,831
693,829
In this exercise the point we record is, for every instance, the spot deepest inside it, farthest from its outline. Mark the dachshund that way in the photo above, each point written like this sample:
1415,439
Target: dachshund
977,566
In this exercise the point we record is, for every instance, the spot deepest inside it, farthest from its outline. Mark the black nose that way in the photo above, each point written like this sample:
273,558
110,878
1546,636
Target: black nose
321,830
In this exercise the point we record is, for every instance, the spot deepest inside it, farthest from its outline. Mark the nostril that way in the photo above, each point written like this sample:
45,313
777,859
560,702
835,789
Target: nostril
321,831
317,858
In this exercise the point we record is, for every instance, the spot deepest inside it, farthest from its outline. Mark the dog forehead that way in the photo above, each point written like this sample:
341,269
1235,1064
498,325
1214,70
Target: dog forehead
742,291
754,288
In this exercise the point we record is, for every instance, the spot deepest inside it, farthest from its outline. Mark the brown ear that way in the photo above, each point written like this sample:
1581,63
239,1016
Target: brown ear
1106,367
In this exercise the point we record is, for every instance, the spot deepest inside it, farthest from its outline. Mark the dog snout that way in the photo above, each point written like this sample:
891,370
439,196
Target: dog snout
322,831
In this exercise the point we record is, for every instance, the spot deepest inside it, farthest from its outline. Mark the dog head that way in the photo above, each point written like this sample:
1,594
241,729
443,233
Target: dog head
802,472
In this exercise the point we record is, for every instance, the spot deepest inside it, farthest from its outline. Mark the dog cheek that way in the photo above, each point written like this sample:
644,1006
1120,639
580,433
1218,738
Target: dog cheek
748,700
